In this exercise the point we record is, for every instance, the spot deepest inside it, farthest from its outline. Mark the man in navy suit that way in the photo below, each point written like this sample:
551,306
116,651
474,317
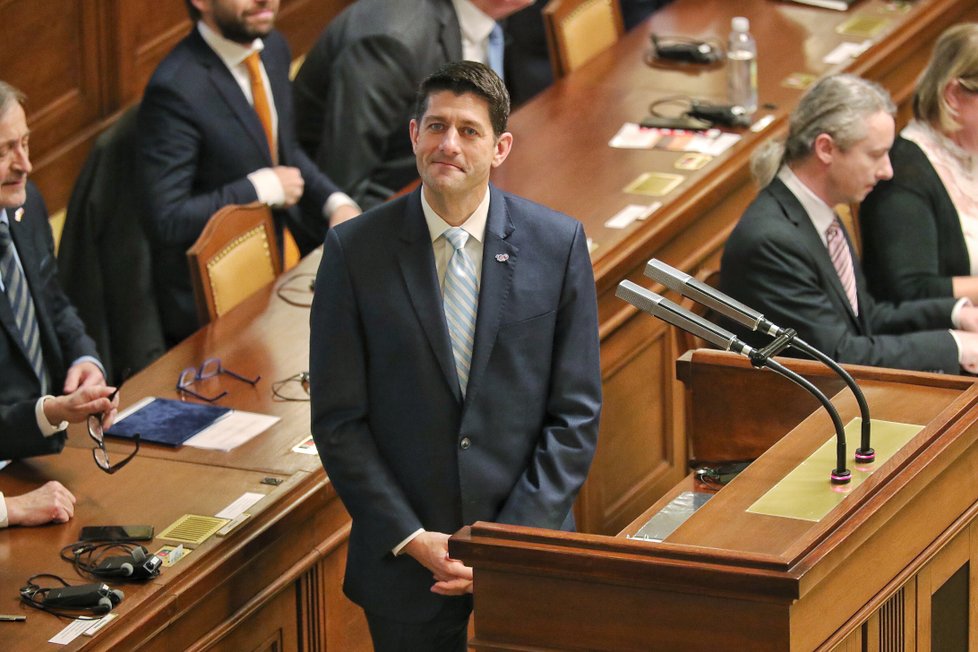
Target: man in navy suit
38,396
419,434
204,145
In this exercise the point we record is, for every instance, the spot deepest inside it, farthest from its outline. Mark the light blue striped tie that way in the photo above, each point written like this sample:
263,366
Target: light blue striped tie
461,303
495,50
19,296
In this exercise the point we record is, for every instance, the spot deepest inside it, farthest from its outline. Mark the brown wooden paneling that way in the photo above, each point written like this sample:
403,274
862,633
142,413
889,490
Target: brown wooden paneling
146,31
634,462
51,52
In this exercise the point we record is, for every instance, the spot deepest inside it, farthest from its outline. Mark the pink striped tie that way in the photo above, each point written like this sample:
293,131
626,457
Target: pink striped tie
842,261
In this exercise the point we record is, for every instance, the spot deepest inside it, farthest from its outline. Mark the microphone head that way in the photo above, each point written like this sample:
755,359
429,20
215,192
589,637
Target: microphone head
116,596
104,606
668,275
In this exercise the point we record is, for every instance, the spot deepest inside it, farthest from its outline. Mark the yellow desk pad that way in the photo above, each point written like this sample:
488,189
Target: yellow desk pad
654,184
193,528
862,26
807,494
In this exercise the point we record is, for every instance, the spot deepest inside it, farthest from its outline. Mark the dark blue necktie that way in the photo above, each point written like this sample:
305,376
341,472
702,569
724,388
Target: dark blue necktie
19,296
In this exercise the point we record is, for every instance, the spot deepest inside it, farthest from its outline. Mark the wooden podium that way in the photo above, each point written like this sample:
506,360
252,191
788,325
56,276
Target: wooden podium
889,568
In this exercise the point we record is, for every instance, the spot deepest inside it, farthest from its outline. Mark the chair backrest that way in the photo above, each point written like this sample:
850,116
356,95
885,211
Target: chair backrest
235,255
577,30
687,341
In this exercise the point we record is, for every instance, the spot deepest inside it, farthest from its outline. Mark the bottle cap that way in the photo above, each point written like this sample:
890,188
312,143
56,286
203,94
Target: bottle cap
740,24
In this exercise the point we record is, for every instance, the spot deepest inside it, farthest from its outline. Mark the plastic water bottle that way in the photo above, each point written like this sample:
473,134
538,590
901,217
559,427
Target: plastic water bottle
742,66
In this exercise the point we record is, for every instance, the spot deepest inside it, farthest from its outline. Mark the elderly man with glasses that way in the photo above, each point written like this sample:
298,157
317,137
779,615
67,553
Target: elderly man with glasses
49,373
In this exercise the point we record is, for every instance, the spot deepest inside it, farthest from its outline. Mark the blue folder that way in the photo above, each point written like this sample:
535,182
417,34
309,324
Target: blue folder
167,421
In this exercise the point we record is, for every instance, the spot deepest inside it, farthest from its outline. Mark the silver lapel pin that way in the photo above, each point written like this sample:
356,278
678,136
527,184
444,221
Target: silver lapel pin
502,258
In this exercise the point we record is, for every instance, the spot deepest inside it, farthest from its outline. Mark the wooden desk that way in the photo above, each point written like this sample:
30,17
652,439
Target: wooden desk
271,584
561,158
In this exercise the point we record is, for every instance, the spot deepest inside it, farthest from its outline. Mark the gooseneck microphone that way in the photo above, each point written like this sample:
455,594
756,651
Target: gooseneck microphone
672,313
704,294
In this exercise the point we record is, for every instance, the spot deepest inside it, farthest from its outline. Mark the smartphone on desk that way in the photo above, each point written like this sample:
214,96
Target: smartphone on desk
117,533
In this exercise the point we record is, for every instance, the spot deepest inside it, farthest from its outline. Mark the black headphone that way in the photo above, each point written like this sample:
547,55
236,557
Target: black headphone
685,50
70,601
136,563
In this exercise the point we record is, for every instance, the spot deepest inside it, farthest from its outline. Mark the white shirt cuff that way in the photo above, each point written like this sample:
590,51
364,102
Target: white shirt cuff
336,200
956,312
267,185
399,547
47,428
3,512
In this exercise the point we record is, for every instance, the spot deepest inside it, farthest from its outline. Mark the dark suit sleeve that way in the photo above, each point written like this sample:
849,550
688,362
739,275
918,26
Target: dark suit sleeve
371,89
544,494
770,270
170,143
318,186
338,391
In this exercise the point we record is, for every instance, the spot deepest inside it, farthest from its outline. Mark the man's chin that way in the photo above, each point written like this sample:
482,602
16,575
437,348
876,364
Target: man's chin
12,199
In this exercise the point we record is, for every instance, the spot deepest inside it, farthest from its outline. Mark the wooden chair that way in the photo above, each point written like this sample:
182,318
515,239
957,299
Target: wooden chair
235,255
577,30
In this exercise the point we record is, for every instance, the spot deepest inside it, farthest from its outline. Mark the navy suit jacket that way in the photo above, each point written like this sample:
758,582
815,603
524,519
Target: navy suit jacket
775,262
63,337
400,444
199,139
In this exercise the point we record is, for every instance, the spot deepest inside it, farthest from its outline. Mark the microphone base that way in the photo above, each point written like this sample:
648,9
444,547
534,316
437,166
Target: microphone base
841,476
865,455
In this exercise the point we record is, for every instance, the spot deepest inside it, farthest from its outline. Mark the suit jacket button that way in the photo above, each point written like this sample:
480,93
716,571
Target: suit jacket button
465,443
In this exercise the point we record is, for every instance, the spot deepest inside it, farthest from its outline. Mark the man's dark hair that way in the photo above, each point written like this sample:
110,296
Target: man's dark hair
462,77
192,10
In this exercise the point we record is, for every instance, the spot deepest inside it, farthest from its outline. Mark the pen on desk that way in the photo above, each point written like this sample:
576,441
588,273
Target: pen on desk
5,618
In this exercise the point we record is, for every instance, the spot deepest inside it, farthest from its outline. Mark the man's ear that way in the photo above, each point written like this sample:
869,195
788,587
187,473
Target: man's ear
413,132
504,144
824,148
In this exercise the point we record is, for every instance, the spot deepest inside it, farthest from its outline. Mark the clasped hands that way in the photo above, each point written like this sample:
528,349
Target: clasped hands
430,549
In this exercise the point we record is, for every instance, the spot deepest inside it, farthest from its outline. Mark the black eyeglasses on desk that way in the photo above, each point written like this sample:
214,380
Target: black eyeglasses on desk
100,453
208,369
